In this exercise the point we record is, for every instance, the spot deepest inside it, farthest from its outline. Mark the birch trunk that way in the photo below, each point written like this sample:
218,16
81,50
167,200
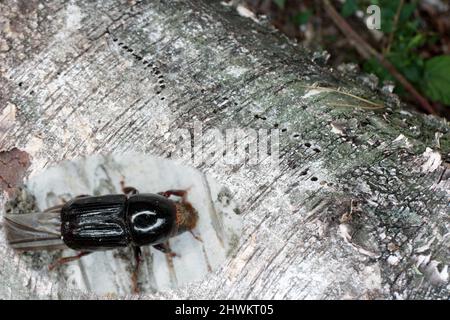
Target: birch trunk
358,205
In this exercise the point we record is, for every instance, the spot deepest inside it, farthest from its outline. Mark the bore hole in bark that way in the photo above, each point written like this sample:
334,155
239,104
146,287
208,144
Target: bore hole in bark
147,64
365,123
260,117
304,173
314,179
276,125
115,39
20,84
307,144
296,135
162,98
316,150
283,130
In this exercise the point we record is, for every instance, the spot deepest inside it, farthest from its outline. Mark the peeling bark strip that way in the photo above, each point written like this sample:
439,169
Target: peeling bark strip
359,206
13,164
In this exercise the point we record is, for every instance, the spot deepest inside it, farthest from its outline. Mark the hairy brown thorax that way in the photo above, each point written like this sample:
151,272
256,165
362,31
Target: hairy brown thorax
186,217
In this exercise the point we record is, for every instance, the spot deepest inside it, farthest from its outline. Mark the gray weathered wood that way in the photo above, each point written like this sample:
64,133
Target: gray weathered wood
359,205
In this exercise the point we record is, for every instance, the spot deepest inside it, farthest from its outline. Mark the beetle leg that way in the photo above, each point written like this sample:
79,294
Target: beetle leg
127,190
134,277
165,248
196,237
178,193
65,260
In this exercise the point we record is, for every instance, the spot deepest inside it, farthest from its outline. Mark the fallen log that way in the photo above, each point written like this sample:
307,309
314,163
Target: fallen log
355,205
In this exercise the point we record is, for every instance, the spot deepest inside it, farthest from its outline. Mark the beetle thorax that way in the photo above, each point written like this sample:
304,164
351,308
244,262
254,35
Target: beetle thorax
186,217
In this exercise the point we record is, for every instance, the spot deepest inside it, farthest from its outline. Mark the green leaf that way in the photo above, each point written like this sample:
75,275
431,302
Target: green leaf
416,41
302,17
437,78
349,8
280,3
412,73
407,11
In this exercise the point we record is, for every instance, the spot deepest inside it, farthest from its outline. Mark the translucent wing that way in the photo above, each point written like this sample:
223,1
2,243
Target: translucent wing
35,231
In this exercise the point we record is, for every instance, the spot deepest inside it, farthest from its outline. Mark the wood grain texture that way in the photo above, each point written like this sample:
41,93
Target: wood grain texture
358,207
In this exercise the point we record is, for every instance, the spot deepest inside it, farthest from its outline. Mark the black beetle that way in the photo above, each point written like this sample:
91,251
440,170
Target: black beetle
89,223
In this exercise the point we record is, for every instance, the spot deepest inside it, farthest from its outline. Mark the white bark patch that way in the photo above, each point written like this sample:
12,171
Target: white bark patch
337,128
407,113
7,117
393,260
311,93
32,148
236,71
432,160
226,4
372,275
73,17
243,11
403,141
429,268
